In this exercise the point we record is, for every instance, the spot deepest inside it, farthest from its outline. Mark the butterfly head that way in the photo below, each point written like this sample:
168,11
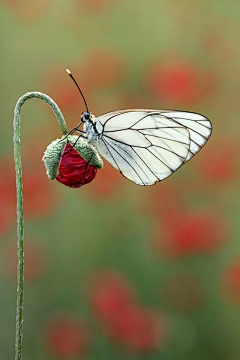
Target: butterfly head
86,116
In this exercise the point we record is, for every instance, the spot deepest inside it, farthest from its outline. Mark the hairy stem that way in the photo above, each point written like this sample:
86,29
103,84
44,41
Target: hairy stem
20,219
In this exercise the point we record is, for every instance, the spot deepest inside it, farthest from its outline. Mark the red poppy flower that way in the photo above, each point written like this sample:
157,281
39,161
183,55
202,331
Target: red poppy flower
179,82
74,171
114,301
71,161
110,293
66,336
188,233
138,328
232,281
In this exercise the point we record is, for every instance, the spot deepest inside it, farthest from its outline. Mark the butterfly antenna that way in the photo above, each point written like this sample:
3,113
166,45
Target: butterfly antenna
70,74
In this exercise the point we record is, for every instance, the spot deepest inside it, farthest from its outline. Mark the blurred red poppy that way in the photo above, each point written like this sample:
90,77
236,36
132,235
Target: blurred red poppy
138,328
232,280
66,336
179,82
35,260
110,293
189,233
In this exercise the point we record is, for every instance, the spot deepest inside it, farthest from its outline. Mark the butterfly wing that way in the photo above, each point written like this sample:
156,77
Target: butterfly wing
200,128
147,146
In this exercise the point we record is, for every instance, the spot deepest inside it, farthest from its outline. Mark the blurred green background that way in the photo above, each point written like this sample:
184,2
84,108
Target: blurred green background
113,270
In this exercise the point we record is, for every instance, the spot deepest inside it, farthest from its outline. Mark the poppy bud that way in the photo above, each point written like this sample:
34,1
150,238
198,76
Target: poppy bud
72,161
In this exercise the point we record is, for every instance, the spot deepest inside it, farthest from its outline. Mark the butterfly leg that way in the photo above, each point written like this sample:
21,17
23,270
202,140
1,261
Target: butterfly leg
81,135
72,131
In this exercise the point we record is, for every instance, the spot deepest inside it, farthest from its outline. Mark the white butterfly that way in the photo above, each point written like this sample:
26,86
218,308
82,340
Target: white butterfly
146,146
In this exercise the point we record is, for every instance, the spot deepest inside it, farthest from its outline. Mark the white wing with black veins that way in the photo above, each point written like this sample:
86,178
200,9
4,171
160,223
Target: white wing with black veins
147,146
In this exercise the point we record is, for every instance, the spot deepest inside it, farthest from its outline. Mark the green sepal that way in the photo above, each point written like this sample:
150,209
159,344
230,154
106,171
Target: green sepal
54,150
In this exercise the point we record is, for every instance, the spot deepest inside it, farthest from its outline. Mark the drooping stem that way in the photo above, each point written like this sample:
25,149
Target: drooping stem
20,219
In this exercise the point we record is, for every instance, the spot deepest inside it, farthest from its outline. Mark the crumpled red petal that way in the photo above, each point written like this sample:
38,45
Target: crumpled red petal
74,171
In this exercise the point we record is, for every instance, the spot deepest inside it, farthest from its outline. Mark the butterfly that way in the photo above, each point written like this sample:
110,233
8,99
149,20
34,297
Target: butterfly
144,145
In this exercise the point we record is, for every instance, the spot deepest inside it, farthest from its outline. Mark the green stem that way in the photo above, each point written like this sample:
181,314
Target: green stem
20,219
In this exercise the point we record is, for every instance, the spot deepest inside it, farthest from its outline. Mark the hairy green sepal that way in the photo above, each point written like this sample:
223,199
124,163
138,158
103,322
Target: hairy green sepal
54,150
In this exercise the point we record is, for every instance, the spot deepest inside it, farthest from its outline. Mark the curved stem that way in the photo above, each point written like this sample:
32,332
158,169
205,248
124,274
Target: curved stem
20,219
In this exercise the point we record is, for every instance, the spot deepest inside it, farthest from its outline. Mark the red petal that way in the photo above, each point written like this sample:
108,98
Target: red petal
74,171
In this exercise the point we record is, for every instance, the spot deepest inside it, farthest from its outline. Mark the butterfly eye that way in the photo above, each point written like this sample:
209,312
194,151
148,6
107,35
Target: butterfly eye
87,116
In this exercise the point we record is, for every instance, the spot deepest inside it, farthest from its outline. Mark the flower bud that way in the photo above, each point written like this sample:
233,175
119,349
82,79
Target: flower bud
72,161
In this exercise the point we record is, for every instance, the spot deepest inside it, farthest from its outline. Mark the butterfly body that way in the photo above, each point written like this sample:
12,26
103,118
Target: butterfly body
92,128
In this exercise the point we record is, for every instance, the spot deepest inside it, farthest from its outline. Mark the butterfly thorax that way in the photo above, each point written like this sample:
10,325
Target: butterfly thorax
93,129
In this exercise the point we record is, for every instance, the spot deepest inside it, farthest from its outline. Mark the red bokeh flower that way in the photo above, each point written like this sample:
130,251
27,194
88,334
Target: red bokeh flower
66,336
231,278
179,82
135,327
35,260
183,291
109,294
138,328
189,233
74,171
